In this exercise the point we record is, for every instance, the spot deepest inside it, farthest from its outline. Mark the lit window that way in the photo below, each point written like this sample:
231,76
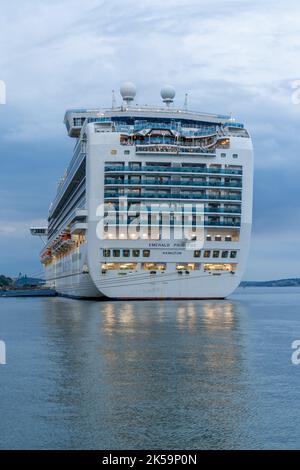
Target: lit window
116,253
152,266
219,267
216,254
206,254
128,266
110,266
146,253
106,253
113,152
197,254
126,253
233,254
224,254
136,253
187,266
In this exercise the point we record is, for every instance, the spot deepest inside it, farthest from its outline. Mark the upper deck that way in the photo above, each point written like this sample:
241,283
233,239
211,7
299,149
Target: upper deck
137,118
133,117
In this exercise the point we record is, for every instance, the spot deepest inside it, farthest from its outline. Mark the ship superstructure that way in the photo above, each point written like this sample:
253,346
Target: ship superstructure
137,174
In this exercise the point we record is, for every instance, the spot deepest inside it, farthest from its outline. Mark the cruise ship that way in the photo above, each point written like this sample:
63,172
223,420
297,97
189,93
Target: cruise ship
156,203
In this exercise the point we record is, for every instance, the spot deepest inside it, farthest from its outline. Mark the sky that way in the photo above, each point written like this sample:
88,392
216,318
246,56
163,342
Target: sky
230,56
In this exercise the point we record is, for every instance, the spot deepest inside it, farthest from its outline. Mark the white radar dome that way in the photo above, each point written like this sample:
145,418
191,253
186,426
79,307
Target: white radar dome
167,93
128,91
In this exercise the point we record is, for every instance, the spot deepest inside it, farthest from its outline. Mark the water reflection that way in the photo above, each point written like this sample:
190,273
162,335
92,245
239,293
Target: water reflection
218,315
117,375
149,372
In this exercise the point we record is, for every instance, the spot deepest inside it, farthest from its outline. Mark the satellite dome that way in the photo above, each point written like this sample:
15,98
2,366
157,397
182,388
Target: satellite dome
167,93
128,91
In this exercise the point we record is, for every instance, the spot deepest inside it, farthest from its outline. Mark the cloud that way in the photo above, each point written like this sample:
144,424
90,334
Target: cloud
230,56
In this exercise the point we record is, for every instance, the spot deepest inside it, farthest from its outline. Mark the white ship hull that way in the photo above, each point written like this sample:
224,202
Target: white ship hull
71,278
138,285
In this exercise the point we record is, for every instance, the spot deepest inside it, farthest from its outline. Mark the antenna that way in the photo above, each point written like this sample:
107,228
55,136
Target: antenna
185,106
113,99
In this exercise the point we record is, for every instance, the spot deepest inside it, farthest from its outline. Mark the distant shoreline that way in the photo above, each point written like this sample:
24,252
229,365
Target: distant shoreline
292,282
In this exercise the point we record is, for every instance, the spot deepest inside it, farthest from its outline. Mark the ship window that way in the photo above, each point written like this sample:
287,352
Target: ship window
197,254
208,238
206,254
126,253
108,266
106,253
134,165
224,254
127,152
218,238
228,238
146,253
78,121
234,155
113,152
233,254
223,155
116,253
128,266
219,267
135,253
186,266
151,266
112,165
216,254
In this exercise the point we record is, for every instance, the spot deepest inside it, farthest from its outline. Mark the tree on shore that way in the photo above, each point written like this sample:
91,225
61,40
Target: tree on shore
5,281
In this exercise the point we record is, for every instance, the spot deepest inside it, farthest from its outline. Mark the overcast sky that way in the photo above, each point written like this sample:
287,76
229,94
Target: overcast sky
235,56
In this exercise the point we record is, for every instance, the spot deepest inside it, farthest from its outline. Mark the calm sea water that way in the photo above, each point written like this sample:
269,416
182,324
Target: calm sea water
174,374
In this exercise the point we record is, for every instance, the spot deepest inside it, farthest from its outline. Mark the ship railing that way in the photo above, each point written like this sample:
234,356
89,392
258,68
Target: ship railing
174,223
174,183
229,197
139,126
175,149
75,162
224,171
171,210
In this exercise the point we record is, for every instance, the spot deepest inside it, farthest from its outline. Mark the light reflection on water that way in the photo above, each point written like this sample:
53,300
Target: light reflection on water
176,374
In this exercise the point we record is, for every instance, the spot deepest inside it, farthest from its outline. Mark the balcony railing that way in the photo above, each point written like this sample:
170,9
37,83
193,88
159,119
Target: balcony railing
149,210
231,197
173,223
158,169
173,183
174,150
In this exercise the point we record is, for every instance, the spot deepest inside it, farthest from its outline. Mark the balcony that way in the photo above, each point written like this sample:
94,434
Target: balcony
111,182
177,211
78,228
229,197
173,149
158,169
207,223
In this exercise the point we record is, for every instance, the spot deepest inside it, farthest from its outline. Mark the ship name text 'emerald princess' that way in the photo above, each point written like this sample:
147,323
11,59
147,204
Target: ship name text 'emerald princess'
156,203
